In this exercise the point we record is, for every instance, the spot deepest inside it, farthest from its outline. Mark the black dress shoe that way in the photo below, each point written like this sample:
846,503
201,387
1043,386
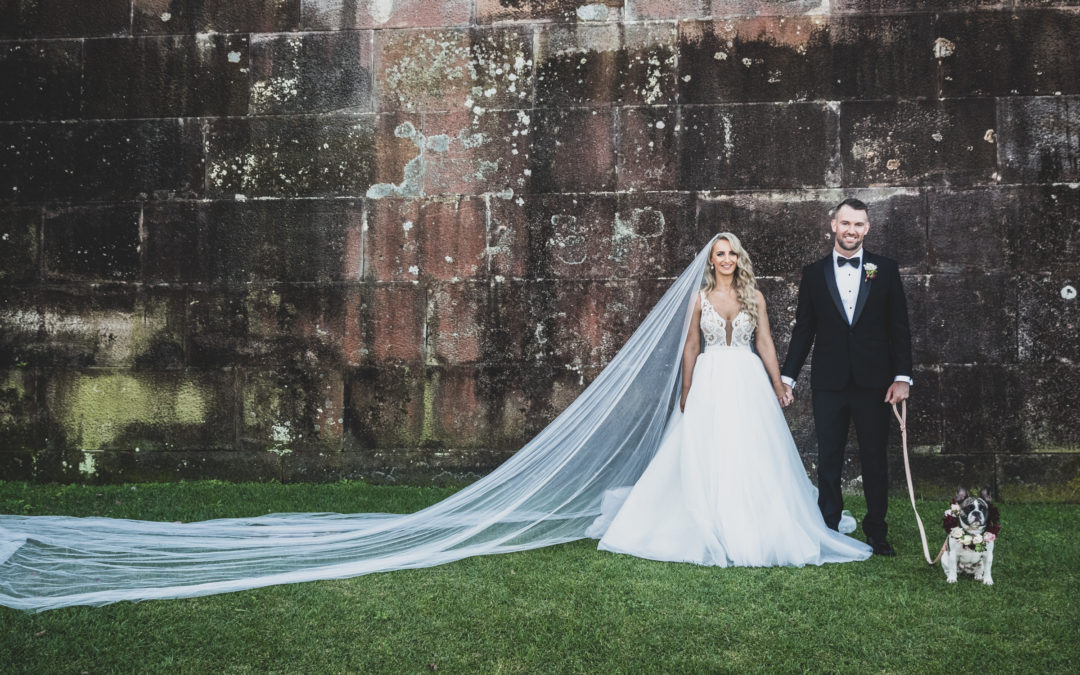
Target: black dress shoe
881,547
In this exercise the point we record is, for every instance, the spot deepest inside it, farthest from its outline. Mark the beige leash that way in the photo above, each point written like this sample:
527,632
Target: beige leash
901,416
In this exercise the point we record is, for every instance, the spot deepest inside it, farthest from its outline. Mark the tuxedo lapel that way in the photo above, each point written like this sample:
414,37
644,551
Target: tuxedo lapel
830,283
864,291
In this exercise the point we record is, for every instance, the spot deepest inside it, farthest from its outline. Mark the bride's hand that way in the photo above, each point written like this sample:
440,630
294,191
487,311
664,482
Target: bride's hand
783,395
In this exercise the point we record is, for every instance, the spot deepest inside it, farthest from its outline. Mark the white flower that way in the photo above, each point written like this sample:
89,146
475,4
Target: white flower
955,508
956,533
967,539
871,267
977,539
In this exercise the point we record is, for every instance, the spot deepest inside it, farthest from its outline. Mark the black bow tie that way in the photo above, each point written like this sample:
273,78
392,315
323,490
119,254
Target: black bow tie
841,261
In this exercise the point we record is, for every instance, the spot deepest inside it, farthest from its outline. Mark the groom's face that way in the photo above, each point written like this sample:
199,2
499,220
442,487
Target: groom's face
849,228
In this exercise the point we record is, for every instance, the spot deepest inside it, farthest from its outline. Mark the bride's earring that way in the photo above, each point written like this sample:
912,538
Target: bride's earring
711,268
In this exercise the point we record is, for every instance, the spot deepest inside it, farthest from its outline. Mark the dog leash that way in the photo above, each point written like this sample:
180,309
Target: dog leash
901,416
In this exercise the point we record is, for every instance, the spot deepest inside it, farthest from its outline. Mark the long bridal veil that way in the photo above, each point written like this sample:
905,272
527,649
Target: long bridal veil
549,492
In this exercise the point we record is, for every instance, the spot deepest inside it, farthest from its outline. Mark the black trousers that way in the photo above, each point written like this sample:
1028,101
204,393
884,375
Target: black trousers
833,413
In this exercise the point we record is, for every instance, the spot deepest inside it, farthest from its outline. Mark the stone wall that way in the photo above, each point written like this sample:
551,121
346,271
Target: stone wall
392,239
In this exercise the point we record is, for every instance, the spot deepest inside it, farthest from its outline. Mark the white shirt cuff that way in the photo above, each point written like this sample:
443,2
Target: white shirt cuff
904,378
788,381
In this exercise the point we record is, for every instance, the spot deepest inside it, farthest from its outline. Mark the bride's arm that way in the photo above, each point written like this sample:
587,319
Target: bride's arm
691,350
767,351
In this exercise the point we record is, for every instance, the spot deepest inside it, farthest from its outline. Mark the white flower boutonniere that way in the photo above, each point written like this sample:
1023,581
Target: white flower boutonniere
871,270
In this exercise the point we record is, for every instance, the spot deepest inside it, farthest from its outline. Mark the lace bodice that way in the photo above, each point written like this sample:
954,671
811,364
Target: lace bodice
715,328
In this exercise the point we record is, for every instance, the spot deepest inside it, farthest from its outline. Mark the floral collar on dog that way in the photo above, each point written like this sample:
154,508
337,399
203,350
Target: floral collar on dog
974,540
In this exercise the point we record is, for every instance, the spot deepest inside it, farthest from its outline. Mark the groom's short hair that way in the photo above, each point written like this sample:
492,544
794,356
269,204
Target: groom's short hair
856,204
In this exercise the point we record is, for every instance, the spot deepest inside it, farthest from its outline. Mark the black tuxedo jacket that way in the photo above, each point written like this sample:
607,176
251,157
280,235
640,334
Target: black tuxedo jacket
872,350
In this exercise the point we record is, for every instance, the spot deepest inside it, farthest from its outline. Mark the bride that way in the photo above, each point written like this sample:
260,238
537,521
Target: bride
725,488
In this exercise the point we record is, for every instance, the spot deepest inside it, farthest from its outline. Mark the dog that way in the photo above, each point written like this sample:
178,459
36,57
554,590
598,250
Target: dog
972,524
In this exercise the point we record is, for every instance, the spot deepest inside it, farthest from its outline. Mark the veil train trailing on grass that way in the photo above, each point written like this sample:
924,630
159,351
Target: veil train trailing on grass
549,492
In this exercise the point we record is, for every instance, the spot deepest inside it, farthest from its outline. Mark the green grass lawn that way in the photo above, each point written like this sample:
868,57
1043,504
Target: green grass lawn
566,608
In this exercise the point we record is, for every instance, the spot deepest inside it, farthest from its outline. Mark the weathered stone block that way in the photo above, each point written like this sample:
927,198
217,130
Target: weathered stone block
182,76
969,229
19,248
722,147
453,69
398,315
242,241
918,142
300,326
1050,477
92,243
292,408
75,327
655,234
591,165
455,328
1039,139
1044,226
420,70
606,63
101,161
491,11
758,59
215,16
321,72
21,429
648,148
147,411
978,408
686,9
55,18
349,14
462,153
384,409
1051,403
296,156
1009,53
443,239
47,77
464,416
1049,318
883,57
581,325
963,318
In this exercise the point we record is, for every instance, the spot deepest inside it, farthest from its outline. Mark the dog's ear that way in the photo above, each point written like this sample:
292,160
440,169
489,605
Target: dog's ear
985,494
961,495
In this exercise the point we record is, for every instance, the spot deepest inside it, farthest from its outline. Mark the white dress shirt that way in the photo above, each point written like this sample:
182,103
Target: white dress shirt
848,280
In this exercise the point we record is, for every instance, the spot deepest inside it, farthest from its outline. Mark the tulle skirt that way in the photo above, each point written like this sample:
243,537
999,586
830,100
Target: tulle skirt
726,486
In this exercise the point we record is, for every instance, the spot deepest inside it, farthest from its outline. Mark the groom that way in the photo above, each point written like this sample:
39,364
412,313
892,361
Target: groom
851,304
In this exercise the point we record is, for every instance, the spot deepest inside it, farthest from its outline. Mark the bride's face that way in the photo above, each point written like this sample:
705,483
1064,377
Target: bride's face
723,259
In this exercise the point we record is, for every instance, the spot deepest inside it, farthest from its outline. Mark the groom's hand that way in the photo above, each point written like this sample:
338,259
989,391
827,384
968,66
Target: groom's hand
899,391
789,397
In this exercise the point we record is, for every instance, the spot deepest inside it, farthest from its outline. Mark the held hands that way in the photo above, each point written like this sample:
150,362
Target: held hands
784,395
899,391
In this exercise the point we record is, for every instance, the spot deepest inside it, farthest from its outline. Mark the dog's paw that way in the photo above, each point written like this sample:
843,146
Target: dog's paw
988,581
951,578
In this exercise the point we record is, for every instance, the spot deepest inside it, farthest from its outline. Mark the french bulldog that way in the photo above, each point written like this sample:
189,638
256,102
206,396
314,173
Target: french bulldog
972,524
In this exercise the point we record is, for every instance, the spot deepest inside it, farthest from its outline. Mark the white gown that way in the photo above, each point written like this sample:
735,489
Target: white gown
726,486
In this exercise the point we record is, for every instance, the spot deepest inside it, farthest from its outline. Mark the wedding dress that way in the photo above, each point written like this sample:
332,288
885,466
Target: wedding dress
726,486
549,492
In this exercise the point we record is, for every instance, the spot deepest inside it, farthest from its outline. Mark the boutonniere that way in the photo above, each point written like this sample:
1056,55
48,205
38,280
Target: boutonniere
871,270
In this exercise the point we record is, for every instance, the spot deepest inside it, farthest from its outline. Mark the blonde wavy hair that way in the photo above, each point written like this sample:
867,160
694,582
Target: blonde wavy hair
745,283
